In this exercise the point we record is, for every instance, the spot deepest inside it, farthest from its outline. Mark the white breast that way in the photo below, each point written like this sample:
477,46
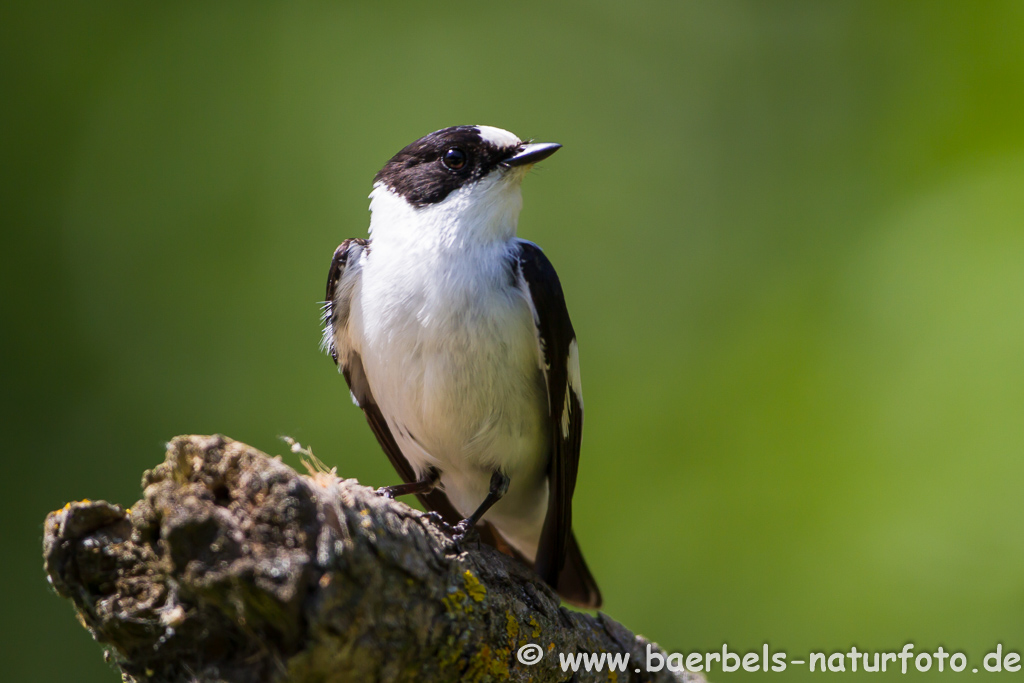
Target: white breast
451,357
449,349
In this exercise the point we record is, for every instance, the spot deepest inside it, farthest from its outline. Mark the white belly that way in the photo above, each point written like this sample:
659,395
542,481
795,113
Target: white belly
453,365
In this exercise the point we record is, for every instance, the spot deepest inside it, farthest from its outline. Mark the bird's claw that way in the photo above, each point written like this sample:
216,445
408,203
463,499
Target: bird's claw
436,518
465,531
386,492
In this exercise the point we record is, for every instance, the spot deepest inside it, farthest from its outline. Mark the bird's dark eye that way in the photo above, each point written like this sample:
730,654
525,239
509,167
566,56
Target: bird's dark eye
454,158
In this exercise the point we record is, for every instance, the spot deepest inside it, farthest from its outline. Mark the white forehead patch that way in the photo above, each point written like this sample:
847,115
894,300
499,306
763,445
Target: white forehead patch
498,137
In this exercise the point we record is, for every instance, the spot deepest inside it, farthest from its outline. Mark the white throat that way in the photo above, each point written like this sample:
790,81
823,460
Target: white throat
482,213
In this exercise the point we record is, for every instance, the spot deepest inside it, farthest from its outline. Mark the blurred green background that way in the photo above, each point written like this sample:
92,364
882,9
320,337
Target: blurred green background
791,237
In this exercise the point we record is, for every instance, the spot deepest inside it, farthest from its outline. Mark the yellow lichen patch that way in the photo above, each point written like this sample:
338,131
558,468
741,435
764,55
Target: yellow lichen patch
474,588
536,627
487,665
455,603
499,664
67,506
479,663
450,654
511,626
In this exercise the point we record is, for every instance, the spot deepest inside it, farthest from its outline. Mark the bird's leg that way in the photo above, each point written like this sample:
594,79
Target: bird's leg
425,485
499,486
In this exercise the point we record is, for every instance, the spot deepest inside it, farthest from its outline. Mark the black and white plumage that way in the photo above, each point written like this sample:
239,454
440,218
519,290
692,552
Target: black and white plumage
455,340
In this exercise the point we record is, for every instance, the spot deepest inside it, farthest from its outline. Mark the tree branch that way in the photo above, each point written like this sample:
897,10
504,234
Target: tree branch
233,567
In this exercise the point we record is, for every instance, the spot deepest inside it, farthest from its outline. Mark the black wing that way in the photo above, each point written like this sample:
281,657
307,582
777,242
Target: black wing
341,281
559,561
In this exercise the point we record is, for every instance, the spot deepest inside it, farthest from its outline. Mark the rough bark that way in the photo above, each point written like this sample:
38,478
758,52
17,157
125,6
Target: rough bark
233,567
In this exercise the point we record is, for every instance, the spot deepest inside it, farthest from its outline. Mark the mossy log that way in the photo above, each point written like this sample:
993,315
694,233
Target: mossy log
234,567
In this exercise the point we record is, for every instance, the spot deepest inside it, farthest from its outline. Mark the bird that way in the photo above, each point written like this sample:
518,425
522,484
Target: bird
454,338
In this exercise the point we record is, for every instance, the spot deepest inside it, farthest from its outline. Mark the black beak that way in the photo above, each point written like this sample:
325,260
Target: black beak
531,153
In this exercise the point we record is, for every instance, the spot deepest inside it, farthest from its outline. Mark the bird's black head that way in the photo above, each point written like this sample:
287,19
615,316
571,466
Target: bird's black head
433,167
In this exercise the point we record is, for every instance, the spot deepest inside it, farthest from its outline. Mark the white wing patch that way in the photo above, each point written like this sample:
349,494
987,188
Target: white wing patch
565,416
574,371
524,288
573,363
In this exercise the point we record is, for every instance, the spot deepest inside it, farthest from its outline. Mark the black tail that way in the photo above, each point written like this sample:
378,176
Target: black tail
576,584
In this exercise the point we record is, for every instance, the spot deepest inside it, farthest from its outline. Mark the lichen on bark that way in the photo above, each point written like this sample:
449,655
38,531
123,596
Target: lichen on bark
234,567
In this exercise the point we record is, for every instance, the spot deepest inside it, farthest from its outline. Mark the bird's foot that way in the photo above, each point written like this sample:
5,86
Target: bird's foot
437,519
386,492
465,532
